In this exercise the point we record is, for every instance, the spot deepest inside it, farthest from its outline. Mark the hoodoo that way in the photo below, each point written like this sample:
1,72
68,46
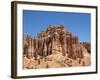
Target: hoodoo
55,40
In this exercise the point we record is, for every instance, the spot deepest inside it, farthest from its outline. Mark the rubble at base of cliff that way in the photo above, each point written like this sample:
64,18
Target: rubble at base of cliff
55,48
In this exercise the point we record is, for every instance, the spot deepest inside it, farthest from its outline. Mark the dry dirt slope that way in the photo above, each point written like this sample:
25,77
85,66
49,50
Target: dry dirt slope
56,61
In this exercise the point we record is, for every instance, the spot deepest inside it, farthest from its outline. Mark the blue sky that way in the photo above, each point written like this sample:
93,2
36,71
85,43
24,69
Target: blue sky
77,23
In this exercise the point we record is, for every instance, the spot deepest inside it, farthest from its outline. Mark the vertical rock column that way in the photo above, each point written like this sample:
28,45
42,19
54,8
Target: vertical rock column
64,45
70,53
25,45
74,47
30,51
36,48
44,49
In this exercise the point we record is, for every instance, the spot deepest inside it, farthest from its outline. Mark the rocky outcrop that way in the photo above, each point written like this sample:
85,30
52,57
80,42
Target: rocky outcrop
87,46
54,41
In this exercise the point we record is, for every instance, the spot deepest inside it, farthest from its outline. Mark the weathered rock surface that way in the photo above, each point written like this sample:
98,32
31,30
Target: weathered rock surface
54,48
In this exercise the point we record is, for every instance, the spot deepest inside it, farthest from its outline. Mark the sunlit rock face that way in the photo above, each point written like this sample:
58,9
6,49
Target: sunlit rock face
54,47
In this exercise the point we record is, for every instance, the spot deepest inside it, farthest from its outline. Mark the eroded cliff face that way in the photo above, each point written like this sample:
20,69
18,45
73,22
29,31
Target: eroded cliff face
54,47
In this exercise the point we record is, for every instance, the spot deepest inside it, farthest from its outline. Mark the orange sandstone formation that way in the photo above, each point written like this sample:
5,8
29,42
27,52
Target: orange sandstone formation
54,47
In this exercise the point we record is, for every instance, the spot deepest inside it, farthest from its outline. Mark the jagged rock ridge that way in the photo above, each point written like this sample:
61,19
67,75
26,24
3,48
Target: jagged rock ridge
55,41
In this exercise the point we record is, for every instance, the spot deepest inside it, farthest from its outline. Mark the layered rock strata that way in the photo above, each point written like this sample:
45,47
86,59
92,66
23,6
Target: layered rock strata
54,47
